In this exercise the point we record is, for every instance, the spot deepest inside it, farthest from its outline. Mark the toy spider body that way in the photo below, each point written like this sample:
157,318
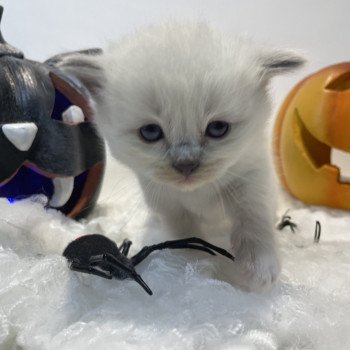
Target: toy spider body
98,255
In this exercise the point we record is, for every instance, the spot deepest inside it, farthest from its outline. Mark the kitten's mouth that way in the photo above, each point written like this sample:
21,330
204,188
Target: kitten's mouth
187,180
207,173
182,183
189,183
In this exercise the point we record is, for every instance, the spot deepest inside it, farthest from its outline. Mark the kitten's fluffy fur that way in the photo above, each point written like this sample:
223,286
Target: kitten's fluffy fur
181,77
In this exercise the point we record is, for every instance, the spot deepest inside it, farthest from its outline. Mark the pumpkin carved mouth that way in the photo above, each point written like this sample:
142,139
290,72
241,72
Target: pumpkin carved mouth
341,160
320,154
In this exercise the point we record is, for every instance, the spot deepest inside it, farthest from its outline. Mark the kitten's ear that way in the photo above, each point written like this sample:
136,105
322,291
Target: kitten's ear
82,66
277,62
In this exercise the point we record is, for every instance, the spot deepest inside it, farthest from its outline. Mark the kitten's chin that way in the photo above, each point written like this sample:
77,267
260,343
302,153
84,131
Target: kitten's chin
184,184
188,184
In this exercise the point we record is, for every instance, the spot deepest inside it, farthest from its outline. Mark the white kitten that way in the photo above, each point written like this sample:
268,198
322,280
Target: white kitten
185,108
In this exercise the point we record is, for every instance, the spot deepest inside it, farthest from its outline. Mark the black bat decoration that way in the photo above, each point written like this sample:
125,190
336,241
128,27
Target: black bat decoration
49,144
98,255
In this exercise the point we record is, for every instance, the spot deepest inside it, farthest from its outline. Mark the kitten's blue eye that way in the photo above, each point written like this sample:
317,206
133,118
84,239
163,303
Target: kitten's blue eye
217,129
151,132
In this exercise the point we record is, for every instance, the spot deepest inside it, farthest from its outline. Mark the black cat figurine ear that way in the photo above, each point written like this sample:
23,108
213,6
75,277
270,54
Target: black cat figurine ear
48,143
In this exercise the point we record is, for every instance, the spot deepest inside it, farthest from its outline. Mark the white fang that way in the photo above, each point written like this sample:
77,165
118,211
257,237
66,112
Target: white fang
21,135
62,190
73,115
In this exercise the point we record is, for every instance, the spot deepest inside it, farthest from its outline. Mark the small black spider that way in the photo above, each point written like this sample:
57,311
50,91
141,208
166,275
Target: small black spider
286,221
98,255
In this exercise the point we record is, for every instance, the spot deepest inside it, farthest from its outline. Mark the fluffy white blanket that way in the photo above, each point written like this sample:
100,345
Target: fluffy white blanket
44,305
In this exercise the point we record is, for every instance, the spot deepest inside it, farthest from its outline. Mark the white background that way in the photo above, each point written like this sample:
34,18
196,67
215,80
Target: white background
320,28
43,305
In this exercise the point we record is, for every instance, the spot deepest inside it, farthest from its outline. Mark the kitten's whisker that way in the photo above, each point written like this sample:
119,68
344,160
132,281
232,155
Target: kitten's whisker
116,190
152,192
230,193
157,194
230,172
217,191
252,184
102,202
134,211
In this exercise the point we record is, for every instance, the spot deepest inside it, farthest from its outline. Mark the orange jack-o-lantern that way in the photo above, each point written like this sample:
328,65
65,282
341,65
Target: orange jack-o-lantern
313,120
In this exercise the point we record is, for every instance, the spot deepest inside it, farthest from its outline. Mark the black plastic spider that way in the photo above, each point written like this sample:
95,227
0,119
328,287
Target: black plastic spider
98,255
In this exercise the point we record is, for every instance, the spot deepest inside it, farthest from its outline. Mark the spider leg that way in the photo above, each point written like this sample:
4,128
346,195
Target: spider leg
196,240
111,261
293,226
191,243
198,243
77,266
317,235
145,251
125,247
286,221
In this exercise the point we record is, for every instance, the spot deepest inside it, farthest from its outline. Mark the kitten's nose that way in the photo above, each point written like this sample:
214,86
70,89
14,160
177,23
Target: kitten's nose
185,168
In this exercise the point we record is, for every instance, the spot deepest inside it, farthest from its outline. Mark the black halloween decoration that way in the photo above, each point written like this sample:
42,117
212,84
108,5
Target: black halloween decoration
48,144
98,255
286,220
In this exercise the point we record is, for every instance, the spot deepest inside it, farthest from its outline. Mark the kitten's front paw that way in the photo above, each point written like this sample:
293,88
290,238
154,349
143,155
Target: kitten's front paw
259,271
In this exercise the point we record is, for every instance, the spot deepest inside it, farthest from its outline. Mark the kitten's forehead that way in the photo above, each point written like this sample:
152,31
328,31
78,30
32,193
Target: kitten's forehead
182,105
182,76
184,102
